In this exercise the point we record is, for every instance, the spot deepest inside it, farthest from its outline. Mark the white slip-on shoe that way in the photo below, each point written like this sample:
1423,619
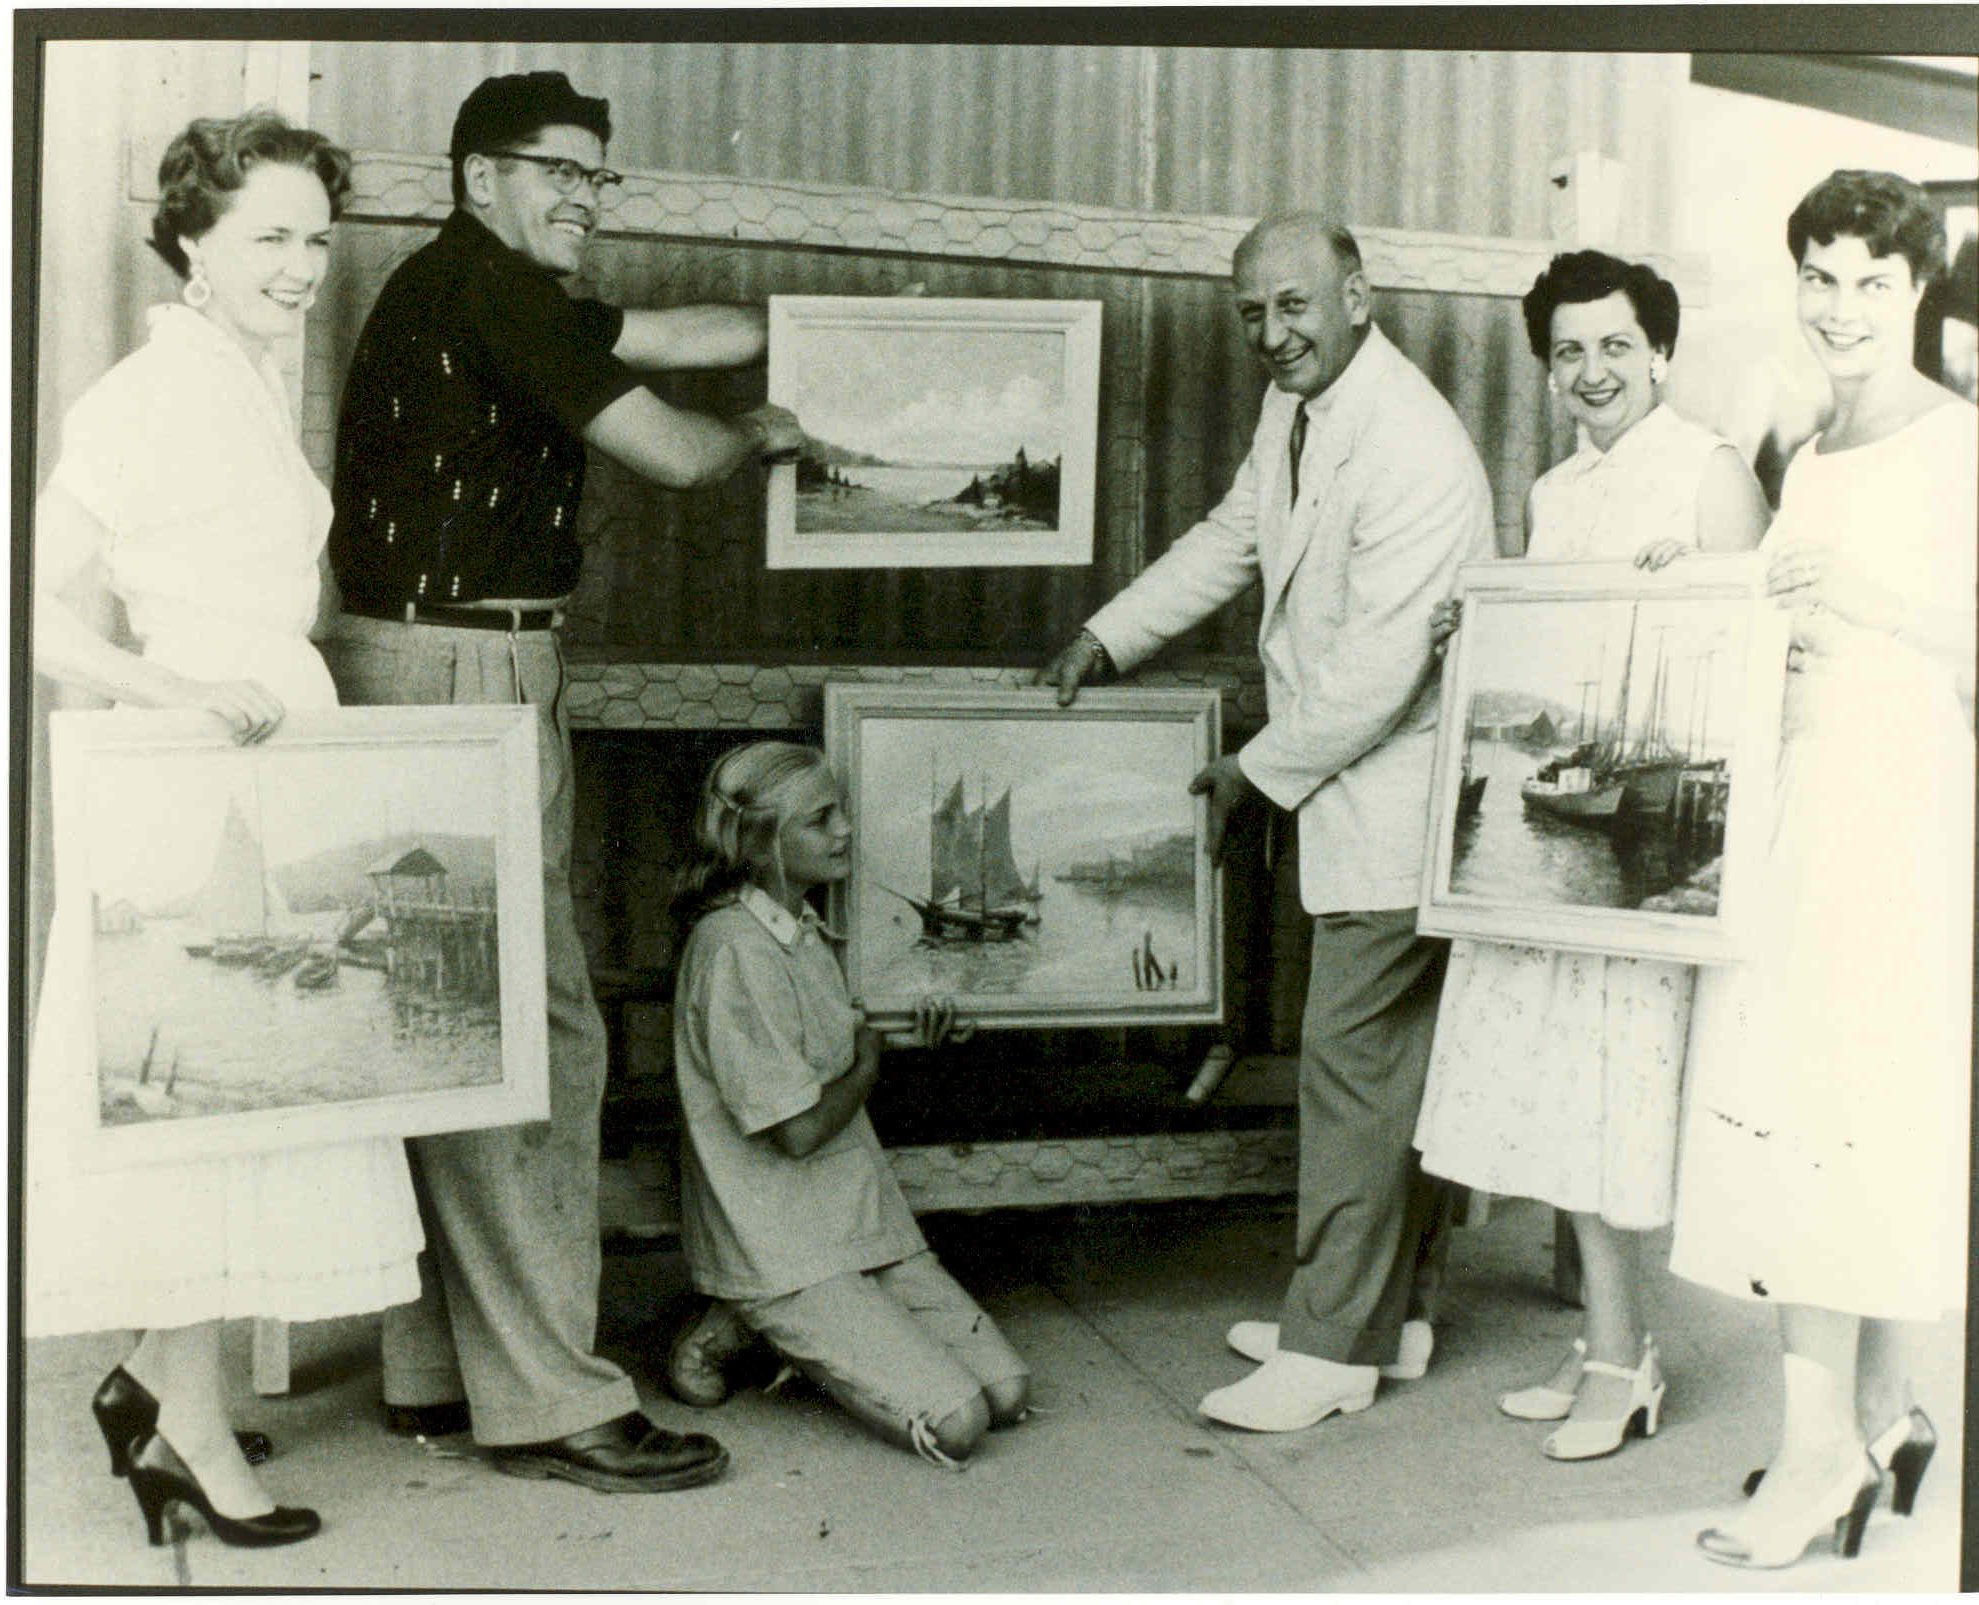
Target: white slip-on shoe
1292,1391
1258,1341
1412,1357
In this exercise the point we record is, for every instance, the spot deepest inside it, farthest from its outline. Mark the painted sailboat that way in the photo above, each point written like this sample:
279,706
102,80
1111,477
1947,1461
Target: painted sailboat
976,892
1612,774
239,905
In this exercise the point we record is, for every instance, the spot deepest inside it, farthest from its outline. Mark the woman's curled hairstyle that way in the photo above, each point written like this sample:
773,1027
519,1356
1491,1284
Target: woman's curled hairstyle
737,819
1573,277
209,161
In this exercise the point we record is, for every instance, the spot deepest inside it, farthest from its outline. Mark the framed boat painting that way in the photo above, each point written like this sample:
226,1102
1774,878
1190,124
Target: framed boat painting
940,433
1604,763
1041,865
336,933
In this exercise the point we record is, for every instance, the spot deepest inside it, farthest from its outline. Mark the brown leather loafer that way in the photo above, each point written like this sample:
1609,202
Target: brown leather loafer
627,1456
428,1420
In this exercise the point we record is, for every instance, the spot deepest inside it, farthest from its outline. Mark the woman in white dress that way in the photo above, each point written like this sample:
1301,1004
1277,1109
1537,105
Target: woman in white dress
1556,1075
180,477
1825,1141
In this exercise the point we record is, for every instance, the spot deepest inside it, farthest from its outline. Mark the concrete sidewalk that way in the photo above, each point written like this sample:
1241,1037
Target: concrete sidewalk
1114,1484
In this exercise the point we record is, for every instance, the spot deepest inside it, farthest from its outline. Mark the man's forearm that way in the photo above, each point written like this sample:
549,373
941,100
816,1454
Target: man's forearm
673,447
708,336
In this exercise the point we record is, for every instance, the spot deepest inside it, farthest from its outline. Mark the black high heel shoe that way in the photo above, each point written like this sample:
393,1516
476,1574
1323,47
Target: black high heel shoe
1903,1449
1908,1459
126,1410
160,1479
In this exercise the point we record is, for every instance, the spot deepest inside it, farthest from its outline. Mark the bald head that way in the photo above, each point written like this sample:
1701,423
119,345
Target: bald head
1306,232
1302,299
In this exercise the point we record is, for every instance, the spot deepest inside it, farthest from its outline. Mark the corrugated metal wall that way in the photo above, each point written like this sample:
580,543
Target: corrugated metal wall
1450,141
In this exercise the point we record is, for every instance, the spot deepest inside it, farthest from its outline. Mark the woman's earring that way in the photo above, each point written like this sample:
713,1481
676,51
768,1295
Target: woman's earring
197,290
1658,367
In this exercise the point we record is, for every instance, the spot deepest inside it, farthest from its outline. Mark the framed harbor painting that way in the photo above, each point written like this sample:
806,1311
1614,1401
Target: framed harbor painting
335,933
1041,865
940,433
1604,764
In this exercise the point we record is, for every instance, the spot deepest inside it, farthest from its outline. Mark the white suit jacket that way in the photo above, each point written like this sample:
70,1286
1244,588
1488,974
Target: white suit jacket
1392,498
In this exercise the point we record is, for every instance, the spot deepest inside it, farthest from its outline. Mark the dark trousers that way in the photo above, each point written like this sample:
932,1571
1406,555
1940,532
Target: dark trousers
1372,1228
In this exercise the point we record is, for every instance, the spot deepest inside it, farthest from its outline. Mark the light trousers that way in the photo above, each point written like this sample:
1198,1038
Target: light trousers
508,1306
1373,1229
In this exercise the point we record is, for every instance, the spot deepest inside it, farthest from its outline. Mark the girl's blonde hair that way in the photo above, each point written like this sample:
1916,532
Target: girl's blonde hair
738,820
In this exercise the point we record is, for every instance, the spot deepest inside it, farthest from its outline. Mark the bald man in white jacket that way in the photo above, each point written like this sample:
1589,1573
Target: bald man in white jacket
1360,497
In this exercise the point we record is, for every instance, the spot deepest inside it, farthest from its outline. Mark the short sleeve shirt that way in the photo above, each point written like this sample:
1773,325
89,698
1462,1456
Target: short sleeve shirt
460,451
762,1024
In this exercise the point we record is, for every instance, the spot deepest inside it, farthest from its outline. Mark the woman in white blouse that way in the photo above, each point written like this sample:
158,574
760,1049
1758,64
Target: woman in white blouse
1555,1075
181,477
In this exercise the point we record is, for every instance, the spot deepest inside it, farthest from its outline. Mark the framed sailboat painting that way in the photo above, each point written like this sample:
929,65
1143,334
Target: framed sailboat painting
1604,762
1043,866
335,933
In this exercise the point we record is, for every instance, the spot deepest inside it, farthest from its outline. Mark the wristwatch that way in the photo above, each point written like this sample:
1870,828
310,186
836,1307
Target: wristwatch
1096,650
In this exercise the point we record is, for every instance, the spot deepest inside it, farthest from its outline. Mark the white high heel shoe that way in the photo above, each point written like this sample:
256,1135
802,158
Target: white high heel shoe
1590,1439
1546,1402
1750,1538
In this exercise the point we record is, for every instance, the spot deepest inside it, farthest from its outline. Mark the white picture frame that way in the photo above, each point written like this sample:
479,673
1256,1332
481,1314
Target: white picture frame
942,433
1115,909
1576,807
336,933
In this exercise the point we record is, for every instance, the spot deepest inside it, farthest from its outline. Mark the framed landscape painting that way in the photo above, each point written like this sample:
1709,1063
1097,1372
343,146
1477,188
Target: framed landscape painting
940,433
337,933
1041,865
1604,764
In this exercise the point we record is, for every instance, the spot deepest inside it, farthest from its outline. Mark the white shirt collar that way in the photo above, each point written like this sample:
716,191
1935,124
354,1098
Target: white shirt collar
1641,437
785,926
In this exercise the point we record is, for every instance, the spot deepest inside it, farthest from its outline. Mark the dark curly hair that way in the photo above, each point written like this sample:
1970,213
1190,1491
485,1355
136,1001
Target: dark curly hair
1889,214
209,161
1577,276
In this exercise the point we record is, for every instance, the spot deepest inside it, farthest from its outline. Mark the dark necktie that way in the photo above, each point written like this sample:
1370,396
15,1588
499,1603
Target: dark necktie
1298,447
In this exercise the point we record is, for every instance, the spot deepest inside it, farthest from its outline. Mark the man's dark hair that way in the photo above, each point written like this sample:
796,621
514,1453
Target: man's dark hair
514,109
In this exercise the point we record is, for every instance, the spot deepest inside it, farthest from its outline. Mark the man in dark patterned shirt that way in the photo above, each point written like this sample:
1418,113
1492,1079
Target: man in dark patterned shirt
460,458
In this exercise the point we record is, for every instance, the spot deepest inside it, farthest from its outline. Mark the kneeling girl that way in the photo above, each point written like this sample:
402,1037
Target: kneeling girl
792,1221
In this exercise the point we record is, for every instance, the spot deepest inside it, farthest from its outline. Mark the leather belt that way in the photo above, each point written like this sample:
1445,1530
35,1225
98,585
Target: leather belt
511,620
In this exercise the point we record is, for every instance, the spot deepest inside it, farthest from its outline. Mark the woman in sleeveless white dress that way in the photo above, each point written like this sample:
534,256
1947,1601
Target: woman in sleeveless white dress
1823,1164
1556,1075
181,474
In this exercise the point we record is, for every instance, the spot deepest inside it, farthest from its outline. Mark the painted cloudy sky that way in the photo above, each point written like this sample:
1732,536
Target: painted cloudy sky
917,395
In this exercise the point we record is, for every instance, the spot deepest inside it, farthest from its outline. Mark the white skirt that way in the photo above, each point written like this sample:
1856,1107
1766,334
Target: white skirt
1825,1139
301,1234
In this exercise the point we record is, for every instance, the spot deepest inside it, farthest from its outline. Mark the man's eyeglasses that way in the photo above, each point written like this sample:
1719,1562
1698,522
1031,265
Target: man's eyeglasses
565,174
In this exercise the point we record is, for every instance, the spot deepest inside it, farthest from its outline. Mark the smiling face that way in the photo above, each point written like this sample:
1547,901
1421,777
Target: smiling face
814,840
1858,312
1304,312
1599,360
266,255
521,206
